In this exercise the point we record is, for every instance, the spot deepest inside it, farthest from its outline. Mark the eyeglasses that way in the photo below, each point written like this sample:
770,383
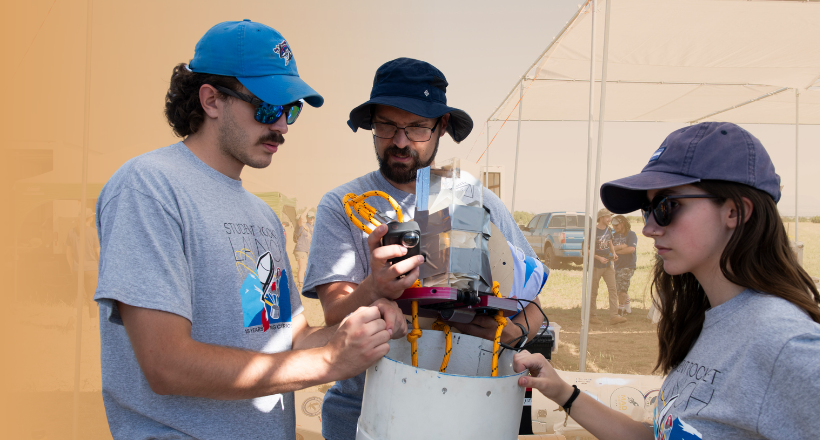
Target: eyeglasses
661,207
383,130
267,113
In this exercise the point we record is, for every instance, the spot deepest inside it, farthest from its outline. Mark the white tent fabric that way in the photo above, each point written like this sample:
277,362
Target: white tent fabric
684,61
679,61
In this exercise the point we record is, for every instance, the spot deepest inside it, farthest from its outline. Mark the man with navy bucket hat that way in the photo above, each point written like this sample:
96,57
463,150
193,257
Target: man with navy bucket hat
407,114
202,332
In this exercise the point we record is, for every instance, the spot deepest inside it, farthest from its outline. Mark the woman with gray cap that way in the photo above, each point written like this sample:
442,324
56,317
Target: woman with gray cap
739,335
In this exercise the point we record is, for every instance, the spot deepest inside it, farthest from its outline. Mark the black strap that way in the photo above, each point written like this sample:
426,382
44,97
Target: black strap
572,398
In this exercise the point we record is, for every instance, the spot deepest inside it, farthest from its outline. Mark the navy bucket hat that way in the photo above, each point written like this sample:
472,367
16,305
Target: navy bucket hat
258,56
416,87
706,151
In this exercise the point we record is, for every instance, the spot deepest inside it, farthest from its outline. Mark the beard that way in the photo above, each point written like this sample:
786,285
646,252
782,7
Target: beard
233,141
402,173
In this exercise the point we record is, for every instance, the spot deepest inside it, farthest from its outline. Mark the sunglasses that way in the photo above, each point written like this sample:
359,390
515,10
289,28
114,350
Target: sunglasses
267,113
661,207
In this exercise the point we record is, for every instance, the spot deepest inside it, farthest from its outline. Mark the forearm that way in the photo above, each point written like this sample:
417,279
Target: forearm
624,250
601,421
530,315
202,370
336,307
312,337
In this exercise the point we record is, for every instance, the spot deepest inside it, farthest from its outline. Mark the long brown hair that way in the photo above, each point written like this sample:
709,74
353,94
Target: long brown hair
758,257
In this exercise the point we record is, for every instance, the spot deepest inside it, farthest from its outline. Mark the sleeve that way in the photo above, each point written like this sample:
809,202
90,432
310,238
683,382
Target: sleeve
789,409
632,240
336,252
142,259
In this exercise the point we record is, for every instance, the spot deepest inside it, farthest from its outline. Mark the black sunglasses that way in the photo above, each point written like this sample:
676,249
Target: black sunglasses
267,113
661,207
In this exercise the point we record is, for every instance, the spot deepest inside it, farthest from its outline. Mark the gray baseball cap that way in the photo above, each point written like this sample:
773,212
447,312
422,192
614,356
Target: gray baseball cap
706,151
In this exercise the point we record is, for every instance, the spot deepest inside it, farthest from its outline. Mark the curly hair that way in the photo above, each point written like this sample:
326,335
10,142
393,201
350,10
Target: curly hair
182,107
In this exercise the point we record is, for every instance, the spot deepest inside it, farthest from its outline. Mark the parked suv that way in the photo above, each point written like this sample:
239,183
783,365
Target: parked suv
556,237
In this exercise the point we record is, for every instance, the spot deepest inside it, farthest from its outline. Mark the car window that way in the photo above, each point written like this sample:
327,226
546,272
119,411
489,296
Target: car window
571,221
558,221
534,221
542,221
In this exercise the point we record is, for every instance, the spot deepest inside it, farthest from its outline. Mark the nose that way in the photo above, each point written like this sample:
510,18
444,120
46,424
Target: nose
400,139
281,124
651,229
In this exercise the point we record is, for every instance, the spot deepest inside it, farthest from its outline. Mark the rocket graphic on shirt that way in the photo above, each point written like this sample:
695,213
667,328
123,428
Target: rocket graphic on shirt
265,295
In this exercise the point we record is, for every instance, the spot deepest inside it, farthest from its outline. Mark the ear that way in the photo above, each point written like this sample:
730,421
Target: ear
210,102
734,213
444,120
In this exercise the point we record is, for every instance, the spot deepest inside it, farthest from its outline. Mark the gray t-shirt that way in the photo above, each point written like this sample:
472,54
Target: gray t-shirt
752,374
341,253
178,236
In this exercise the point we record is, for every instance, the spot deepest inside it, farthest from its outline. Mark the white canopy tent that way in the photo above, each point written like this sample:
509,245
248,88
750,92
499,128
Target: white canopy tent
684,61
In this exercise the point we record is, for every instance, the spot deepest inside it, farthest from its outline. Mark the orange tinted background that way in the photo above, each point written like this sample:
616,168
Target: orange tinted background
481,46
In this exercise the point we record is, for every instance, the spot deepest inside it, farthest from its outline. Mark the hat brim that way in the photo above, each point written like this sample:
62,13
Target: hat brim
281,89
626,195
459,126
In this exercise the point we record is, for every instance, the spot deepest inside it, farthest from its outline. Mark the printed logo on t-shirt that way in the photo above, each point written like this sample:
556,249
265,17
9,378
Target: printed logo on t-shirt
265,298
693,387
265,293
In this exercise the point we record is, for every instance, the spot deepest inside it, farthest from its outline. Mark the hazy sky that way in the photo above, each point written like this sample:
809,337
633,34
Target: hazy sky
482,47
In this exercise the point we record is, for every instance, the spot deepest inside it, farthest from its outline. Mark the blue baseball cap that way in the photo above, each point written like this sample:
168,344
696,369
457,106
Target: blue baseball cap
258,56
706,151
416,87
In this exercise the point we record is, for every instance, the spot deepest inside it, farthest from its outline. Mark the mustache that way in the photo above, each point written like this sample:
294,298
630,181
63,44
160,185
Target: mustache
396,151
272,138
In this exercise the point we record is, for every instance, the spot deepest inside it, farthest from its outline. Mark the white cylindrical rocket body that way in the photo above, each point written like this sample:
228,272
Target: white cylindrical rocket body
403,402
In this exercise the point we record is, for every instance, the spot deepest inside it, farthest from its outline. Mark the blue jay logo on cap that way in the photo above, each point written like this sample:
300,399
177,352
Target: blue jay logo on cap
657,154
283,50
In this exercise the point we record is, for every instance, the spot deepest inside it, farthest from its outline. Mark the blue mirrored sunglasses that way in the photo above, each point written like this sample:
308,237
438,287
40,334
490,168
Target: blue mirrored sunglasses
267,113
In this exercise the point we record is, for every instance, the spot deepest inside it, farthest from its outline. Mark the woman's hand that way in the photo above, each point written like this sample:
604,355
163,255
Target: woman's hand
542,376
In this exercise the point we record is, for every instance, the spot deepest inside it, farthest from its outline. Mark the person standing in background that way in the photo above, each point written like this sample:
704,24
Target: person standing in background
625,244
302,238
603,269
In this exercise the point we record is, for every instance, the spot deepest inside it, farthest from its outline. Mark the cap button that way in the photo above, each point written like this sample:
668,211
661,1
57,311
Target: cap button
246,19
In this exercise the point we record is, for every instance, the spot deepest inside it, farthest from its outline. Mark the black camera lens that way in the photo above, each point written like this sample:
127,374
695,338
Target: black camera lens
410,239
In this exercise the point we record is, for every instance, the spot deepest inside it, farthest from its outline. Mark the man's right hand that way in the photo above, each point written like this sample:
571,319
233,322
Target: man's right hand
359,342
384,280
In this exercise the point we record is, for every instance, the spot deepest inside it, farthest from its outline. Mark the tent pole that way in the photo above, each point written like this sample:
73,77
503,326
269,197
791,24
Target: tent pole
796,161
78,334
517,142
487,160
586,280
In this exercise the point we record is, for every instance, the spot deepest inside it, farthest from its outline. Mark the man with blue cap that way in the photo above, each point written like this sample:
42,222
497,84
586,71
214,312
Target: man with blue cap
407,114
201,325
